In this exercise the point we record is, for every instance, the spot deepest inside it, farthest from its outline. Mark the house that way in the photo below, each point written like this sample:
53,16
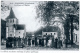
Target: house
52,31
20,30
13,29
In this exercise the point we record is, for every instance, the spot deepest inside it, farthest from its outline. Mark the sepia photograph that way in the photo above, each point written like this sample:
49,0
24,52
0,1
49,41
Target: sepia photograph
39,25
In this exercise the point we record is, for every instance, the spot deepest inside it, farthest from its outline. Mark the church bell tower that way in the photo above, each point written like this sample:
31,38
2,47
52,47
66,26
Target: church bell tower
11,20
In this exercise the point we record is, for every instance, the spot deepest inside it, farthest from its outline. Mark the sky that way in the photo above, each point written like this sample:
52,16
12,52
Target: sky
25,14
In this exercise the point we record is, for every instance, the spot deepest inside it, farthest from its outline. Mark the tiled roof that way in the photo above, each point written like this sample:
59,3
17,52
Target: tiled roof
50,29
11,15
19,27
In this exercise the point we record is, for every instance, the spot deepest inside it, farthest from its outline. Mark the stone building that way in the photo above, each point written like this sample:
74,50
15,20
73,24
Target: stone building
13,29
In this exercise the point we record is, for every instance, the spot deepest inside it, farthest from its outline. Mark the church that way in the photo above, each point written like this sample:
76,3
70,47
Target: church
13,28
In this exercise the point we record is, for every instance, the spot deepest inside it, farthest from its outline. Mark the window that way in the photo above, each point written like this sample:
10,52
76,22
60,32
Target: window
10,21
13,20
54,33
51,33
46,33
10,35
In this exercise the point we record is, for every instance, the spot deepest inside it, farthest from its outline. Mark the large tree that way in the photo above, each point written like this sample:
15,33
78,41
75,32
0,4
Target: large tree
67,11
45,11
72,14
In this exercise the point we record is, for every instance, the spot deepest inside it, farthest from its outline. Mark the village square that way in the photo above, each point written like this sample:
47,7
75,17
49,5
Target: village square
59,28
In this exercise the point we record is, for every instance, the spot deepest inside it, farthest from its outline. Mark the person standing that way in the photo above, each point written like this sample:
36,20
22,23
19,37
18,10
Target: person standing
56,40
66,43
59,43
15,44
35,41
47,38
25,41
43,42
39,42
19,42
53,41
63,42
16,41
29,41
49,42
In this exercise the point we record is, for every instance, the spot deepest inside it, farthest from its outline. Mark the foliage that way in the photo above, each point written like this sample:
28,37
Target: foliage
68,11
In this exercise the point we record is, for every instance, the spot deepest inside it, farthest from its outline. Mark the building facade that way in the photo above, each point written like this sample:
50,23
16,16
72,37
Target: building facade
13,29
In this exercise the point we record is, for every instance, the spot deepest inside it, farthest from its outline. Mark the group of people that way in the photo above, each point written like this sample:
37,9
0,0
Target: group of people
42,42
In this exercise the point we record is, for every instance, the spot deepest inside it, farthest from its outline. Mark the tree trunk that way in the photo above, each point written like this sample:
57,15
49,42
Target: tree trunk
67,28
71,29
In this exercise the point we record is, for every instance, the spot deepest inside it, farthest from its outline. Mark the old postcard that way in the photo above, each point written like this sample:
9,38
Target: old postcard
40,25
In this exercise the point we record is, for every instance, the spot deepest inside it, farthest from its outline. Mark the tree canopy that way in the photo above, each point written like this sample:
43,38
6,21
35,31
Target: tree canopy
47,10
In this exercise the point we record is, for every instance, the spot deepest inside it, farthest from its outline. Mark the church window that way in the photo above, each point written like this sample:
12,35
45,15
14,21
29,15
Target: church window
13,20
